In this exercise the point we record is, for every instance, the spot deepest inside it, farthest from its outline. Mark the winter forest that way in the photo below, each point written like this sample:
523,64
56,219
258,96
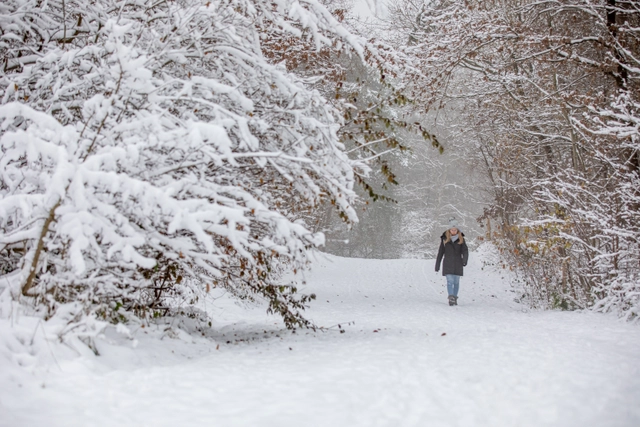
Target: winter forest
212,171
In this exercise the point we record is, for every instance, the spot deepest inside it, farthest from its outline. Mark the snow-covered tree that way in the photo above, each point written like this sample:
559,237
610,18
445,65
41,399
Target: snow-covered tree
549,90
150,150
379,120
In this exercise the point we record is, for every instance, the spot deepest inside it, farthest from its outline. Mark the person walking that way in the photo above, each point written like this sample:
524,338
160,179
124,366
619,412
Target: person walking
456,254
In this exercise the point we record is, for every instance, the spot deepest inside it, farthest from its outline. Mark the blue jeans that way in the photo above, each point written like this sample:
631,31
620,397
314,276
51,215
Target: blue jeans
453,283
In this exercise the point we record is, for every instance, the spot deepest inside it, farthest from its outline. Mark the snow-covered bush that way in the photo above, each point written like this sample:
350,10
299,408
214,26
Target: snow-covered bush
150,151
616,250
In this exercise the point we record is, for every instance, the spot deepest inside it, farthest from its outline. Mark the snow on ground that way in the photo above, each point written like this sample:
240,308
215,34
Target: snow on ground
405,359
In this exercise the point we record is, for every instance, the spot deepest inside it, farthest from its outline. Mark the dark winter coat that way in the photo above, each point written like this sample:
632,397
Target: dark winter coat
455,255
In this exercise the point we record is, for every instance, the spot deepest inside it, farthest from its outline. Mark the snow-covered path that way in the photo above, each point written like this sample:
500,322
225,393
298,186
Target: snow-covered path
406,359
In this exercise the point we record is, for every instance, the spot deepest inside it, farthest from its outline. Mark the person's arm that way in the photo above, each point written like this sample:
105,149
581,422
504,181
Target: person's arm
440,255
465,254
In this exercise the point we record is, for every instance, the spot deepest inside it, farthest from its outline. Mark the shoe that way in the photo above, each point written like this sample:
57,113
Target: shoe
455,300
452,300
